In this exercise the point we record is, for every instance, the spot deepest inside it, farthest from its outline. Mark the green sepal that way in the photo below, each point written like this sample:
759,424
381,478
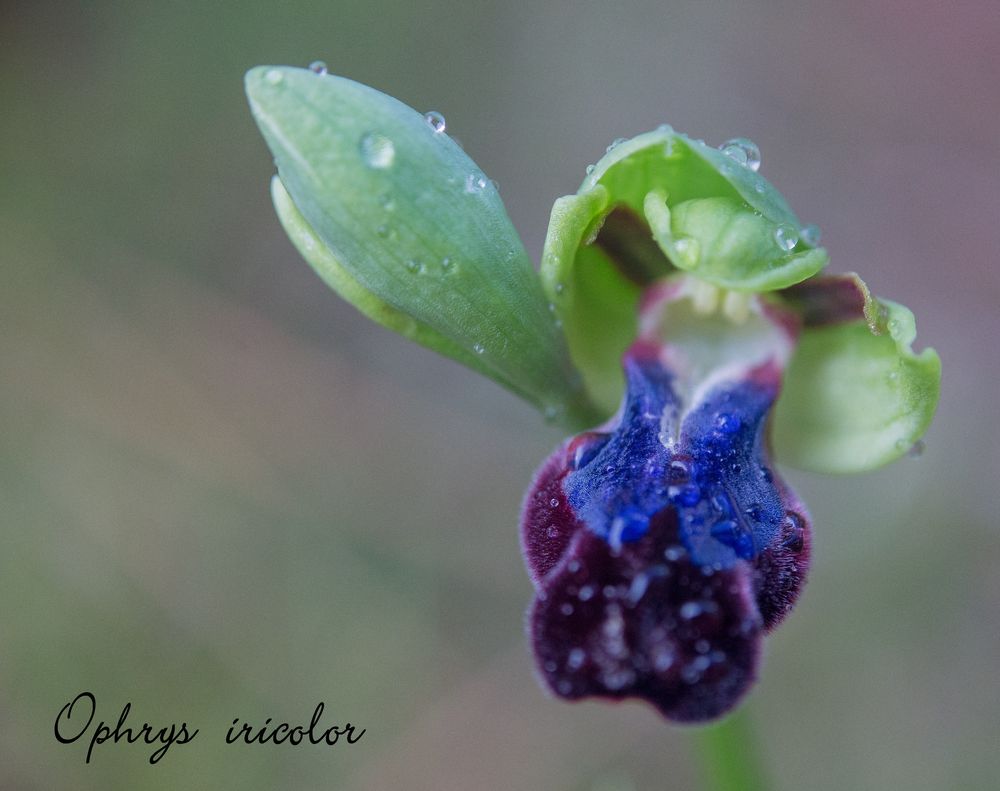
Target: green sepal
596,305
402,223
855,396
687,206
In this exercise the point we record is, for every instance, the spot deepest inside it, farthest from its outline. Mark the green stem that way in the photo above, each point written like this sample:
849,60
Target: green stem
730,755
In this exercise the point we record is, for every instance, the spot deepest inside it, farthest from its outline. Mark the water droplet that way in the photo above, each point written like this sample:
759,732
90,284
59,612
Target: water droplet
810,234
586,593
496,184
690,610
743,151
679,471
727,424
573,566
560,288
377,151
916,449
564,687
614,144
759,186
575,659
673,553
566,608
552,532
317,67
274,77
688,251
475,183
436,121
702,646
554,502
551,412
478,348
590,169
786,237
447,265
385,200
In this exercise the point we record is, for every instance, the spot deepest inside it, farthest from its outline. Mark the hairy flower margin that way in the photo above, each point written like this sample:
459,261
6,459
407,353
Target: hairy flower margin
679,320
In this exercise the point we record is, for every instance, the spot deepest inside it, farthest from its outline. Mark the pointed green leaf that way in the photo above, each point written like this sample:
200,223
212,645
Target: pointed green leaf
404,225
856,396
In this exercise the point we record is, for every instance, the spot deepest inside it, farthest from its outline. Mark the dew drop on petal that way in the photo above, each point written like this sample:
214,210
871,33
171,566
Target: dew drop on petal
743,151
414,266
688,251
786,237
436,121
590,169
810,234
377,151
274,77
318,67
478,348
614,144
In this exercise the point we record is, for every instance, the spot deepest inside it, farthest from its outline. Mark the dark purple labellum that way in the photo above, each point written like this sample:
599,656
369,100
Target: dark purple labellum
665,547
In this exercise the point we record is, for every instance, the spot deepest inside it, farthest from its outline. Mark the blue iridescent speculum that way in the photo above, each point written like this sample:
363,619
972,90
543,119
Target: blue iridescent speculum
676,283
664,545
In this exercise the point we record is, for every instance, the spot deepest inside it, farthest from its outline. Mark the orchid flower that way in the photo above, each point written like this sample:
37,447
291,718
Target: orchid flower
678,325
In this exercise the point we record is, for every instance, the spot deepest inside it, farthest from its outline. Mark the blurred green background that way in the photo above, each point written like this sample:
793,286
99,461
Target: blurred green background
225,494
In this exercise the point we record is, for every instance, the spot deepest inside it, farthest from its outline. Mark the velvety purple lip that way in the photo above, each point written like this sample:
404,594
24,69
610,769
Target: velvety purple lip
664,548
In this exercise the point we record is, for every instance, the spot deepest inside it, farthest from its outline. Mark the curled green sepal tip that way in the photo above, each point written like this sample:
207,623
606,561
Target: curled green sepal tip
654,204
856,396
396,217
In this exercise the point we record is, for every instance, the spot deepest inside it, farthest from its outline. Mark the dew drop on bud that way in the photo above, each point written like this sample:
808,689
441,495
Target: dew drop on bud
377,151
614,144
436,121
786,237
475,183
317,67
743,151
274,77
478,348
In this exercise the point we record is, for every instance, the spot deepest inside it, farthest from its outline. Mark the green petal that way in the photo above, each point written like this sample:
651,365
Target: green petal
398,219
856,396
654,204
